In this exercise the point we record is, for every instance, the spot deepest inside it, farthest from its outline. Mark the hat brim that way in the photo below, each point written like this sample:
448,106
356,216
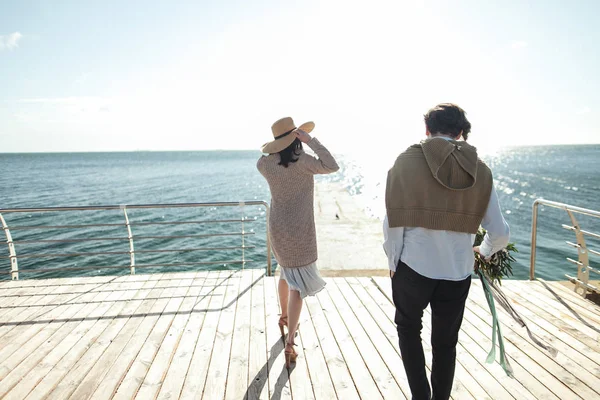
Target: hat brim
275,146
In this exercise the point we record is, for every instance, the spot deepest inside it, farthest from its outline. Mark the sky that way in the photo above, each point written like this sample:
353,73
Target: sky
200,75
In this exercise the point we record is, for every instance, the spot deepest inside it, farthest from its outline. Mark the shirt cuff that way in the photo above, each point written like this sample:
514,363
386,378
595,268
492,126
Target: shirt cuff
390,258
485,249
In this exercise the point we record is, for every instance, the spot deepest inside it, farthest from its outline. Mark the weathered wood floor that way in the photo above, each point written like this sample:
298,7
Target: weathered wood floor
214,335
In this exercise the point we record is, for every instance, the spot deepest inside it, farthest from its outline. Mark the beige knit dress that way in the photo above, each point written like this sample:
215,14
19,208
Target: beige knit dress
292,222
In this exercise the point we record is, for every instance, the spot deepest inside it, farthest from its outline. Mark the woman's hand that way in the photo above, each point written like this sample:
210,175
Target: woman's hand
303,136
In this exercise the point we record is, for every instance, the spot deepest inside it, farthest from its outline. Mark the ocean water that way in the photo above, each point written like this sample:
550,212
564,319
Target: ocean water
561,173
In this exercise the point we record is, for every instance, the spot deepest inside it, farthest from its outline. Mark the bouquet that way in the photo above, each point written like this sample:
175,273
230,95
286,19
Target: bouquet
499,265
491,271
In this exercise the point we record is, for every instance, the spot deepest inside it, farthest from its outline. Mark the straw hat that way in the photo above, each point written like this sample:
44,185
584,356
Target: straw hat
283,132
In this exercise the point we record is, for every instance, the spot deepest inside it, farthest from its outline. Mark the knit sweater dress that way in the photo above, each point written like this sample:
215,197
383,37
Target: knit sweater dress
291,221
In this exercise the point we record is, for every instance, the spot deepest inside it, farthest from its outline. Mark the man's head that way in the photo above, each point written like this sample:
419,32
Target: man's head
447,119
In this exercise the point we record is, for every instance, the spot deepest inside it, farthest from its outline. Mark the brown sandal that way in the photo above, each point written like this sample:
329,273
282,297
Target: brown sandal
290,355
283,321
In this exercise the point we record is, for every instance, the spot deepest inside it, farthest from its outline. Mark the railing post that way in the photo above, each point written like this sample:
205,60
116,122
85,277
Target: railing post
243,238
269,268
533,240
130,237
583,273
14,265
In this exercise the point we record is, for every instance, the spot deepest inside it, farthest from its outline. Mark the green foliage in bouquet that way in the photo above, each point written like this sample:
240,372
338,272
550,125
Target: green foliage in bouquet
499,265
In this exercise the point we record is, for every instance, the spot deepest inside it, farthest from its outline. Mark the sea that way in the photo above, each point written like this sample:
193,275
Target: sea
212,237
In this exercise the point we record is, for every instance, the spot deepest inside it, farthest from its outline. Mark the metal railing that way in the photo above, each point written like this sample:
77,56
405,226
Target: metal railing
130,238
582,284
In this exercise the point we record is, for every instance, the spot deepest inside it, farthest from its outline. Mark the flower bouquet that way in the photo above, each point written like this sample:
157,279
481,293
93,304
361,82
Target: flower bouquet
490,272
499,265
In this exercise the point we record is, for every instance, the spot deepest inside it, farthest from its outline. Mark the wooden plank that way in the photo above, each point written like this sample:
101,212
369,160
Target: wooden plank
579,315
18,315
355,295
563,367
561,302
338,370
219,361
195,380
56,296
26,381
12,296
577,320
482,336
526,378
378,325
154,378
31,354
294,382
237,375
279,379
176,374
106,362
61,360
567,294
257,358
315,360
557,327
138,369
469,353
568,358
478,381
361,375
38,307
473,378
38,331
366,334
520,351
146,356
8,303
116,374
459,389
300,383
118,318
44,297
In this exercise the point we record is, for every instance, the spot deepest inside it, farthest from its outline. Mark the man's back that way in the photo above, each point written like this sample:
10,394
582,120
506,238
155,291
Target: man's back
437,195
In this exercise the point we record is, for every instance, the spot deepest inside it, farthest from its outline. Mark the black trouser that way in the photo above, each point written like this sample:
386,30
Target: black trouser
412,292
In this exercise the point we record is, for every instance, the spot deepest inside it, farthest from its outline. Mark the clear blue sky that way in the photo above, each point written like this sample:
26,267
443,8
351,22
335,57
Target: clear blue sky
186,75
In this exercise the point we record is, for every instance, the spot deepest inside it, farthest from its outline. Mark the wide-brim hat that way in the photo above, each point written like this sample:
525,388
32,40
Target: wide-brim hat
283,134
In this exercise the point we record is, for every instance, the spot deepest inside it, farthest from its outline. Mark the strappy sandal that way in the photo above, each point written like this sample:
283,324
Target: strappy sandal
283,321
290,354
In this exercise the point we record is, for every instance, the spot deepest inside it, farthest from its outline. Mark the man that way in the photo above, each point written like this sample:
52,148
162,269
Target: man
438,193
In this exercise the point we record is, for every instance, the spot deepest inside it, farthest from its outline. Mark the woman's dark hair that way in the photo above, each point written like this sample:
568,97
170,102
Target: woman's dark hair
447,119
287,154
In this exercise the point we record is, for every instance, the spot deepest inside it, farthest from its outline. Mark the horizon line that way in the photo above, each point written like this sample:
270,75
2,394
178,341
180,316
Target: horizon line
257,150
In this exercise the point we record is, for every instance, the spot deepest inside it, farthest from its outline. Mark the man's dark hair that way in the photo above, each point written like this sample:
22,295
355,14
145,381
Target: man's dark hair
287,155
447,119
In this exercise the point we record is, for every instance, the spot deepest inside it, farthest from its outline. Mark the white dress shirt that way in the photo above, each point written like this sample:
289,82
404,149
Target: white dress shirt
445,255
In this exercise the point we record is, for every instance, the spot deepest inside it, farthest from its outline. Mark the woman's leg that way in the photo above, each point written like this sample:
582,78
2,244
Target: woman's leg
284,291
294,310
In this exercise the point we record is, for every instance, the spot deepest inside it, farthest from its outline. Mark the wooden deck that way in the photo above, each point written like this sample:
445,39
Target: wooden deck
214,335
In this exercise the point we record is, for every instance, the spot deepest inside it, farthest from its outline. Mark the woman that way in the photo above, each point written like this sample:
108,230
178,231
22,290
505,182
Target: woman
289,172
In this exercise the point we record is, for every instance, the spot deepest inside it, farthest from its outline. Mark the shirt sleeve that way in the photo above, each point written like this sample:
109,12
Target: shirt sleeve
393,243
325,164
498,231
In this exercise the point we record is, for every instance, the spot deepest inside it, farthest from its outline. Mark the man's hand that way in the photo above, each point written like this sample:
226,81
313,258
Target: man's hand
476,250
303,136
391,273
